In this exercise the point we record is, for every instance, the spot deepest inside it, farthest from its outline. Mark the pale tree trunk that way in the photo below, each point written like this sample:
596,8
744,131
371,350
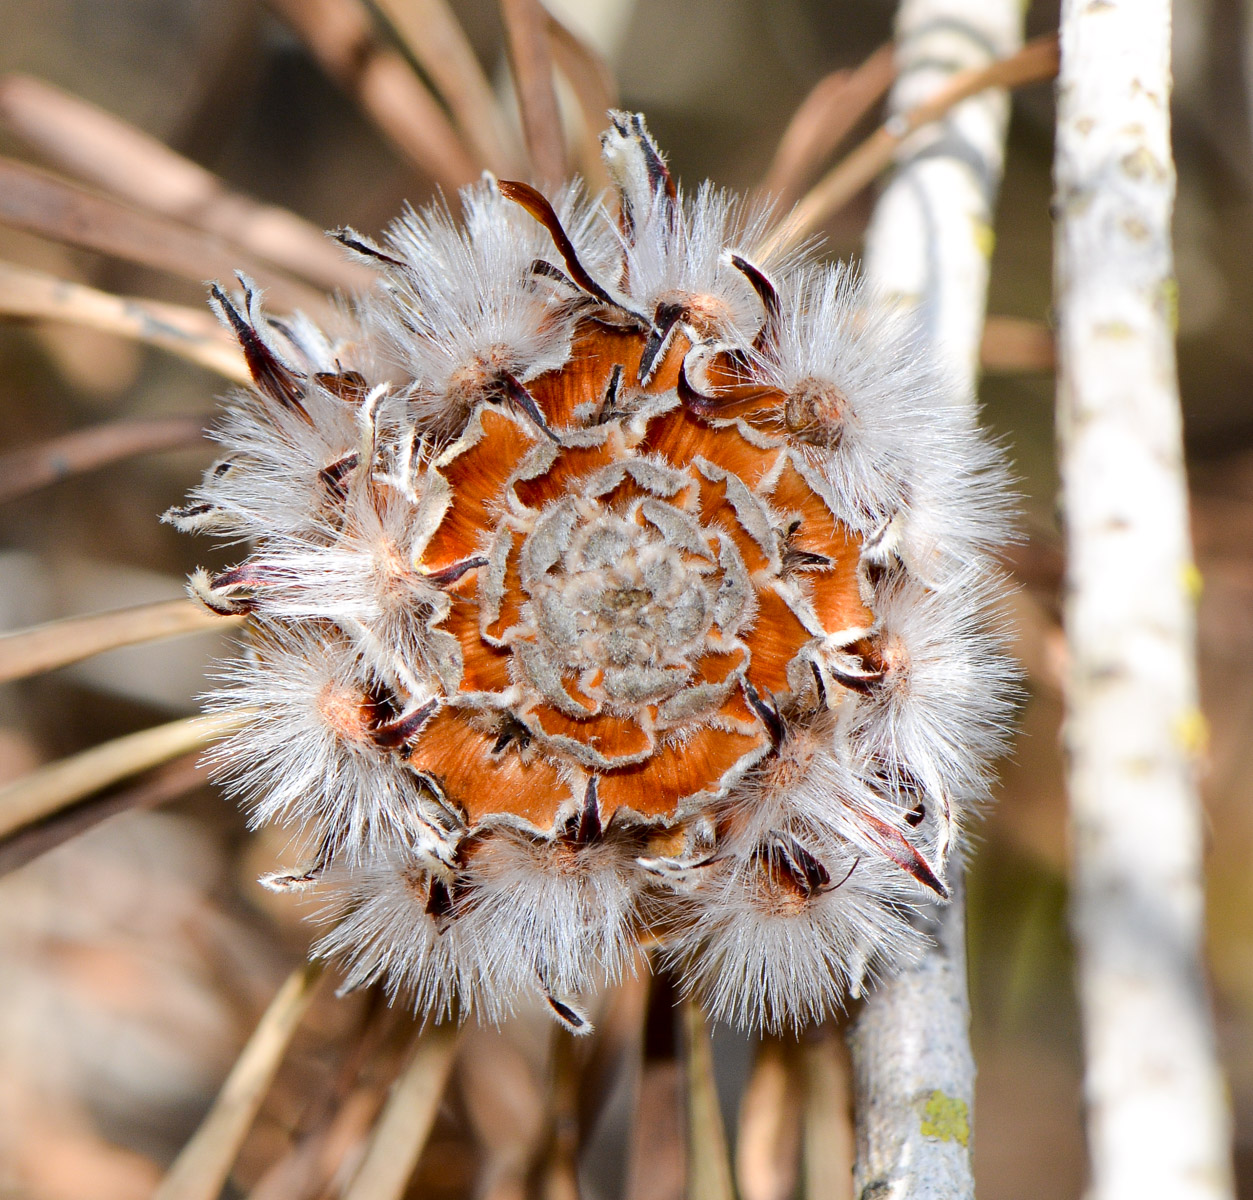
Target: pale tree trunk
928,246
1157,1123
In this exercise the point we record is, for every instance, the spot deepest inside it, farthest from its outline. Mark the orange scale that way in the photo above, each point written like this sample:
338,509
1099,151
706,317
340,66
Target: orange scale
716,509
611,736
584,378
572,463
619,498
512,600
656,787
776,638
718,666
836,597
476,478
678,437
485,785
486,669
819,530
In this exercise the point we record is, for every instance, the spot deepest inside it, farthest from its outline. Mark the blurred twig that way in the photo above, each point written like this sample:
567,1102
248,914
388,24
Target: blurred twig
33,467
190,333
341,37
58,643
204,1164
824,119
47,790
768,1144
531,58
103,150
1015,344
43,204
594,88
405,1122
828,1134
1032,64
708,1164
431,33
1157,1115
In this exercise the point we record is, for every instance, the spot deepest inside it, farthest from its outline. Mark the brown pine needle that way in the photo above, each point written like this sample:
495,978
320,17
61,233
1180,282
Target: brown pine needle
768,1146
1016,345
341,36
406,1120
203,1165
824,119
33,467
527,30
438,44
708,1164
106,152
58,643
1035,62
48,790
594,88
187,332
44,204
166,783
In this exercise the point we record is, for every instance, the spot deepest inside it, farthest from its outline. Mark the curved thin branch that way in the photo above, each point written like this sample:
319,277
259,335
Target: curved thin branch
1157,1116
58,643
190,333
103,150
33,467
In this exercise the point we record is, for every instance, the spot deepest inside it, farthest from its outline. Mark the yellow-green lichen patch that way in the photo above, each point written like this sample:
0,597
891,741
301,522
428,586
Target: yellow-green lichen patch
946,1118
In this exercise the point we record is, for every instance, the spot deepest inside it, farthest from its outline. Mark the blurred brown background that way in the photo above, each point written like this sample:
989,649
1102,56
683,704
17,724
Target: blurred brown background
134,961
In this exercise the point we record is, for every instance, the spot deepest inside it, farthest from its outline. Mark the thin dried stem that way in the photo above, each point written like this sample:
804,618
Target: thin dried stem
405,1122
56,644
768,1145
34,467
594,88
203,1165
657,1157
1032,64
48,790
341,36
190,333
833,108
527,29
166,783
438,44
708,1163
43,204
1158,1122
106,152
928,245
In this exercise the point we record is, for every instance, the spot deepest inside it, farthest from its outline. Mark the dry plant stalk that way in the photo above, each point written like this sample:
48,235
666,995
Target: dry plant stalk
1157,1117
928,245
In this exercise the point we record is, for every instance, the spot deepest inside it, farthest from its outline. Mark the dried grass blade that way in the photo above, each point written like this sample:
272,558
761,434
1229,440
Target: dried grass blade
828,1122
43,204
51,788
187,332
594,88
341,36
406,1120
657,1155
435,39
708,1164
202,1167
1034,63
527,27
768,1145
1014,344
824,119
106,152
164,784
58,643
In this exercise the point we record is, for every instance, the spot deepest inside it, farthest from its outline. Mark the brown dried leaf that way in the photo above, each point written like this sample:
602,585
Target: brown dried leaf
1014,345
527,28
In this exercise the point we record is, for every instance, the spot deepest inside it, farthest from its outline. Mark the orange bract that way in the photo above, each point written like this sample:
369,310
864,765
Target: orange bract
637,591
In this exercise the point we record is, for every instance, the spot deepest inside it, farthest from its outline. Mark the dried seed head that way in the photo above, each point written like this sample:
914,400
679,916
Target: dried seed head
609,588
